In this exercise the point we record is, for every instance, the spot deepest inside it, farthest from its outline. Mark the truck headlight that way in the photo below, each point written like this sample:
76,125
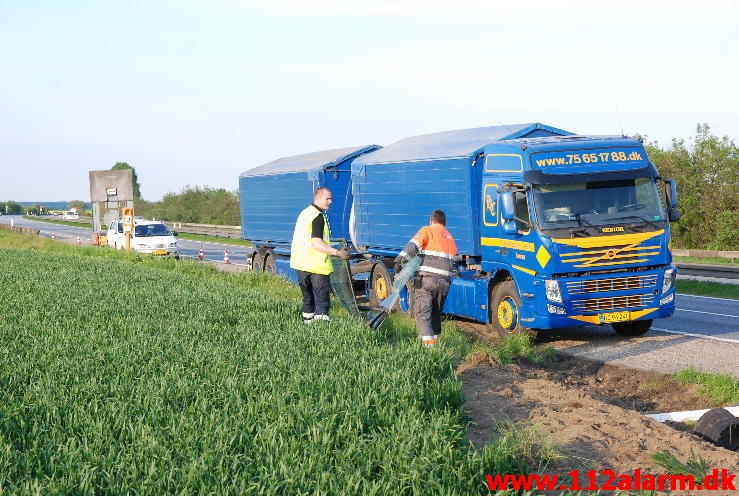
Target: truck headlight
669,280
552,289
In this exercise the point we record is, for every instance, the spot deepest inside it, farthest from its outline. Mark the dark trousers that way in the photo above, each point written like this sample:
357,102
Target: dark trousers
315,289
430,293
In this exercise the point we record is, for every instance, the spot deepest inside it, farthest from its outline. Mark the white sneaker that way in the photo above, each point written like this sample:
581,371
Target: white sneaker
429,341
321,317
307,317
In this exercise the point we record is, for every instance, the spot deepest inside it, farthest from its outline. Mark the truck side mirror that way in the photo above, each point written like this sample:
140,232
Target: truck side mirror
673,214
508,213
507,207
671,193
510,227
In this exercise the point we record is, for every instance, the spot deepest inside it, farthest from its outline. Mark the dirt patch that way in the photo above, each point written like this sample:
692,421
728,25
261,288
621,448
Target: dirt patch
594,412
639,390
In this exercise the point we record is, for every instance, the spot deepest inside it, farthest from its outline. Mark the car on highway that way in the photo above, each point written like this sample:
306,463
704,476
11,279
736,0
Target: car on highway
70,215
148,236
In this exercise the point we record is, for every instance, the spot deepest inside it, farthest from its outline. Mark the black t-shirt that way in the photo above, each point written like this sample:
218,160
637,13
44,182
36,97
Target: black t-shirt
317,226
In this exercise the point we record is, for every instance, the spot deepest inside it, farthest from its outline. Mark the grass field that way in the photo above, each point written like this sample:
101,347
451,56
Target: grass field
708,289
127,374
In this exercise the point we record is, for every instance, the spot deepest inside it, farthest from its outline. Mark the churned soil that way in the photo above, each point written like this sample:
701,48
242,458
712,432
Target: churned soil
593,412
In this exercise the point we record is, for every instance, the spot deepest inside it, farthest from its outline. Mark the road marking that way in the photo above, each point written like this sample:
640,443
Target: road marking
707,313
694,335
709,297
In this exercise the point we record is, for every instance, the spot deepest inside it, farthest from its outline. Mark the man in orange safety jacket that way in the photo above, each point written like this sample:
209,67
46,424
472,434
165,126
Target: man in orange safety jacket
438,249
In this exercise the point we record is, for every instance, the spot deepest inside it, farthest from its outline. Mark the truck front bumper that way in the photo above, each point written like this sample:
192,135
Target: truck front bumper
586,302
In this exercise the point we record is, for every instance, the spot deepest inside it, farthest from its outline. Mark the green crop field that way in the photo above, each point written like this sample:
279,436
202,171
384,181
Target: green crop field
124,374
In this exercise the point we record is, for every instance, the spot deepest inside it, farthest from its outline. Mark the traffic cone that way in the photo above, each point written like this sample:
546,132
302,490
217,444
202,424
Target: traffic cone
226,260
201,253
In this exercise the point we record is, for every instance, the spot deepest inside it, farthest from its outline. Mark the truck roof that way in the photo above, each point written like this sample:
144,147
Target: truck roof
454,144
312,163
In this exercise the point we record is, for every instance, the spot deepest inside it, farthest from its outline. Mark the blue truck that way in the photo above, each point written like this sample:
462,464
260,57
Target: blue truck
554,229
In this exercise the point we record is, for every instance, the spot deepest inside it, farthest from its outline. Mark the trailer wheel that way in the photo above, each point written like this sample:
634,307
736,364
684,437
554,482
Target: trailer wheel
504,310
269,262
257,261
633,328
381,284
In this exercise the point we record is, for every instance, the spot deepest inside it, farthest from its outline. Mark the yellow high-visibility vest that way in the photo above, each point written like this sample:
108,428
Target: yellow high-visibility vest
302,254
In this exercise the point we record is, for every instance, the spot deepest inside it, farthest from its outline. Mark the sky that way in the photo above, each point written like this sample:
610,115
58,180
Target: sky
195,92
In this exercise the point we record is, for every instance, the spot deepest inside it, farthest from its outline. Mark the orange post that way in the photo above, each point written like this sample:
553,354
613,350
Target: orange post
128,225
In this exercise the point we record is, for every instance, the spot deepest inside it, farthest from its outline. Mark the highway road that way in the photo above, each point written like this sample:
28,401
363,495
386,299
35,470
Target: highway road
213,251
703,332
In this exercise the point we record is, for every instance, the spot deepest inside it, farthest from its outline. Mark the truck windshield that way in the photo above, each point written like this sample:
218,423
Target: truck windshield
152,230
599,203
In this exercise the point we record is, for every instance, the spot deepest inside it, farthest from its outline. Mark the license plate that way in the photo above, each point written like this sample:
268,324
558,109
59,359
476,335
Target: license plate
164,252
615,317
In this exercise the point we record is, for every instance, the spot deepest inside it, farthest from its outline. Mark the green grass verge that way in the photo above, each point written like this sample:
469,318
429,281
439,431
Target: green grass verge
157,376
708,289
722,389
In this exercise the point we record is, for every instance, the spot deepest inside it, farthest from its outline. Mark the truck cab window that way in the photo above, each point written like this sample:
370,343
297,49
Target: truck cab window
522,209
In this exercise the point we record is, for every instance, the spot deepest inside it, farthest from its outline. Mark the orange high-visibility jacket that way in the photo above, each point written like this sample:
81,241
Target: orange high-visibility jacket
437,247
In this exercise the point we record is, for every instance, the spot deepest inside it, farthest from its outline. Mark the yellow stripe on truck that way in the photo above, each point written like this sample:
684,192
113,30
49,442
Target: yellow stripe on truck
507,243
600,241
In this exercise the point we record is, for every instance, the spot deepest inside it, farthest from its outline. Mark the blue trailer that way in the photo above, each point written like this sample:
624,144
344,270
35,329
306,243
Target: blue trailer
553,229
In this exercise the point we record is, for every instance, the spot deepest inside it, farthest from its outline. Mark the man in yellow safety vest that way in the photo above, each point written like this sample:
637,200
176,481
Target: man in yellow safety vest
310,256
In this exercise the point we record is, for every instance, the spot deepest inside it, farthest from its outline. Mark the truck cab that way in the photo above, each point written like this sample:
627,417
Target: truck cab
581,226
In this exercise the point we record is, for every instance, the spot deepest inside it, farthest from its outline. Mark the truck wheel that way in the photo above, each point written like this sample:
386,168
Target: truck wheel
269,262
257,261
381,284
504,310
633,328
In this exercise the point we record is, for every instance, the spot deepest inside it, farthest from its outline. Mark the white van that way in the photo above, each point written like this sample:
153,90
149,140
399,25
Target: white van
71,215
148,236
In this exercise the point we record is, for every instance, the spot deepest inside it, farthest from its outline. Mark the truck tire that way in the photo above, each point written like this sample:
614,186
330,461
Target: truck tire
633,328
381,283
257,261
504,310
269,262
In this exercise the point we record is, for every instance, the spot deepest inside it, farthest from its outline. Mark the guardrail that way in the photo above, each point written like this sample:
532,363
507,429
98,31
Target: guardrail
208,229
730,255
20,229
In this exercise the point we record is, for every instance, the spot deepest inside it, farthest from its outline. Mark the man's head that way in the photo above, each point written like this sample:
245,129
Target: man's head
322,198
438,217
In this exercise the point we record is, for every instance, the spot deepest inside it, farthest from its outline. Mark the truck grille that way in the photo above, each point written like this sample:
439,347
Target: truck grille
611,303
610,255
611,284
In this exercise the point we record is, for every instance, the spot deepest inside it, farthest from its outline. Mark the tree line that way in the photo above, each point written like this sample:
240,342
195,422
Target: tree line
706,169
195,204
